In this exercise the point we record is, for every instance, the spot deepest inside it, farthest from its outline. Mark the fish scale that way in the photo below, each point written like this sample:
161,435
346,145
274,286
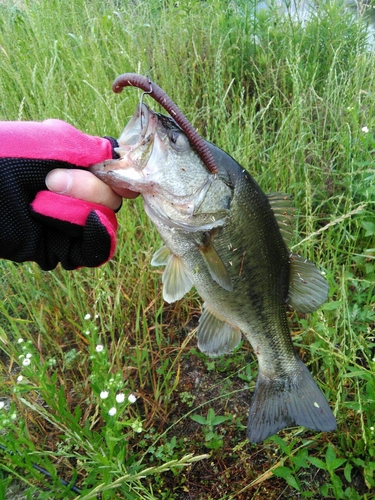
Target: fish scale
255,304
228,239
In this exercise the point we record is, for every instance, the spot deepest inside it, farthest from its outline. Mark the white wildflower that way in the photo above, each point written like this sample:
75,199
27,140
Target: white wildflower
137,426
87,316
26,362
120,398
104,395
365,130
2,404
28,355
19,378
20,341
99,348
132,398
112,412
87,332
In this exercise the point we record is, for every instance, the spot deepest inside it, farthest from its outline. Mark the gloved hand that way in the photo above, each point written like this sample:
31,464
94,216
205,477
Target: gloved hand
42,226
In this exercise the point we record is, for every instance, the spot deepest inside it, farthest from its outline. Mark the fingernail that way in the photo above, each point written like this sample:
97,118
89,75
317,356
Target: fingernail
59,180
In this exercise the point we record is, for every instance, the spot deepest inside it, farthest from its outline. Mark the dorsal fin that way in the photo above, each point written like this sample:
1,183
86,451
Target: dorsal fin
283,210
214,263
308,288
216,336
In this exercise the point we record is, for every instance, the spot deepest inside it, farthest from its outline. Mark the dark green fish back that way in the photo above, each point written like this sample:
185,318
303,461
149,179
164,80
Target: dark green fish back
252,247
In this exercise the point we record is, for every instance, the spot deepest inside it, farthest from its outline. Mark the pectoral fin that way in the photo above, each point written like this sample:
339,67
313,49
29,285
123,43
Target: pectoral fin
175,279
308,288
215,336
214,263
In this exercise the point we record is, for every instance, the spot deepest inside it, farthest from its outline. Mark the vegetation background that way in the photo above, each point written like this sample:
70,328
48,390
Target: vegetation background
293,100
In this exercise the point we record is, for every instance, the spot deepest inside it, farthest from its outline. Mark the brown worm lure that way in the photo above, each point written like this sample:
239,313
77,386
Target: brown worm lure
157,93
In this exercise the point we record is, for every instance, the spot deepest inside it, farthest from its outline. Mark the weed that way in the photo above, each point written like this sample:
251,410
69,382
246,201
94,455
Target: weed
101,389
213,439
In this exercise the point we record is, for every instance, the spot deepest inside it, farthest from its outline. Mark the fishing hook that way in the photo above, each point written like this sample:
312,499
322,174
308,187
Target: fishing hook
157,93
141,99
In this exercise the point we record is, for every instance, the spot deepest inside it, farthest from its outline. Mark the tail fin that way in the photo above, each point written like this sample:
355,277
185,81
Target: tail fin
279,403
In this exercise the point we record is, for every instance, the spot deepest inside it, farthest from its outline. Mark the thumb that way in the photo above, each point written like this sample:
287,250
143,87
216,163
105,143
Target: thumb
83,185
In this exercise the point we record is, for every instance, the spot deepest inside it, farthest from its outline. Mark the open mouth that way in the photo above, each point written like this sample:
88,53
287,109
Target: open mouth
136,130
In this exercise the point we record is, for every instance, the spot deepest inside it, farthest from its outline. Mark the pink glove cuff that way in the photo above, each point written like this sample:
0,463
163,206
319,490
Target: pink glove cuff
74,211
52,140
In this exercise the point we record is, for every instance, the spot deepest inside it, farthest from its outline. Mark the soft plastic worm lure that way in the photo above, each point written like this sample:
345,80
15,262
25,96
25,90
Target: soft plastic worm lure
157,93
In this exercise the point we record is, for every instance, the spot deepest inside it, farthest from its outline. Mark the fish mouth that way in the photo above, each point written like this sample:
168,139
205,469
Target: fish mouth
135,148
136,130
137,139
142,166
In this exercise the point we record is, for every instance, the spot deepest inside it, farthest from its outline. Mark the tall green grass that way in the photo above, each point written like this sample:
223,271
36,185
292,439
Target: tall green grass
294,103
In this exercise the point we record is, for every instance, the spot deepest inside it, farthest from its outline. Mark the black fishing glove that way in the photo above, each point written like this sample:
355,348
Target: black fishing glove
42,226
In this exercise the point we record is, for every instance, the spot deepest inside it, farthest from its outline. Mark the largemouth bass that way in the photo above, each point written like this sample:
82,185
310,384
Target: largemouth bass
228,239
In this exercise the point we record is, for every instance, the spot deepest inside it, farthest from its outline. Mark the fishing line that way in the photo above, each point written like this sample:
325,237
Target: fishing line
45,472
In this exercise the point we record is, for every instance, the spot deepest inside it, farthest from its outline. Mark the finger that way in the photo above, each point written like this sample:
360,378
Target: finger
83,185
126,193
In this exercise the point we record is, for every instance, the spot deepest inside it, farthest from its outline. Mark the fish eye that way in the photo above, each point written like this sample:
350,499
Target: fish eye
178,140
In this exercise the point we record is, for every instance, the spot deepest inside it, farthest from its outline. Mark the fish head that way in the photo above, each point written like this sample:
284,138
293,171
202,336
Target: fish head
158,161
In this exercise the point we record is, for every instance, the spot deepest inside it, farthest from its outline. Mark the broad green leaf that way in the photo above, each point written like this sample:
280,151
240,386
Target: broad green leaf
199,419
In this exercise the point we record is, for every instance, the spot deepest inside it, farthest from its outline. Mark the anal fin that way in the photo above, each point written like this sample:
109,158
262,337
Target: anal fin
216,336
